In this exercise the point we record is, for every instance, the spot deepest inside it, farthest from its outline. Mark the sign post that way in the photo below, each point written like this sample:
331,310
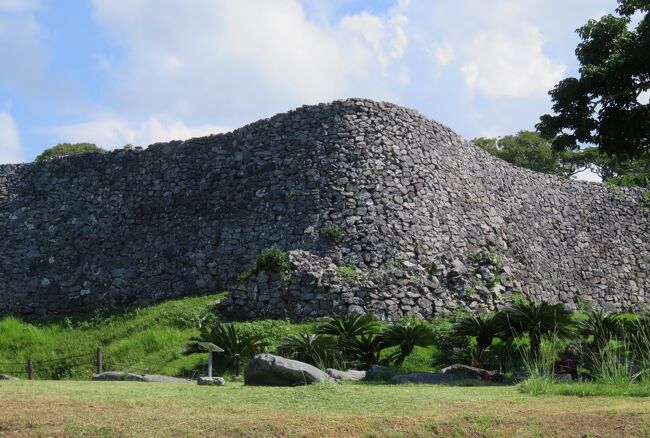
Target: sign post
211,349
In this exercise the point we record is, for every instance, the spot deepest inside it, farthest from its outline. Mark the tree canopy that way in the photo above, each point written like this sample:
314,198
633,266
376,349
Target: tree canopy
605,105
527,149
66,149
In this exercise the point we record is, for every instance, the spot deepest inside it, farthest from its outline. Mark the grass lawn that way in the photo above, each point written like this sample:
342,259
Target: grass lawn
114,409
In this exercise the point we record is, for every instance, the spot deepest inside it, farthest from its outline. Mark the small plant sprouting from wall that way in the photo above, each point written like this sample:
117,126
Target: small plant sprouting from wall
348,272
332,232
489,258
269,260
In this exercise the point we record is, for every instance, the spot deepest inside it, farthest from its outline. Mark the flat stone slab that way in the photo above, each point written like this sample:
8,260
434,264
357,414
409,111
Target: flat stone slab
8,377
211,381
351,375
271,370
117,376
422,378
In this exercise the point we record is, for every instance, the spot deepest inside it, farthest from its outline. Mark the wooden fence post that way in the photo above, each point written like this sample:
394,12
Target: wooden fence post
100,361
30,369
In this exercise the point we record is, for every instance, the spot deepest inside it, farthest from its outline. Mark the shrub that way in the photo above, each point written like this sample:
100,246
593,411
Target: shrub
67,149
332,232
269,260
313,348
348,272
406,334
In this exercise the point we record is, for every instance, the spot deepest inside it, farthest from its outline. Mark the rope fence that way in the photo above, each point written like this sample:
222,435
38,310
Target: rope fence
28,368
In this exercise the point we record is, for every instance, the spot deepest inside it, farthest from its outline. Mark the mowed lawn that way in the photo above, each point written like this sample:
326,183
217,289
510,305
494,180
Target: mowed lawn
115,409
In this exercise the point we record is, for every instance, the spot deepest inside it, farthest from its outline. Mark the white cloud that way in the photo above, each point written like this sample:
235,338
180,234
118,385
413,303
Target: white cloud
235,60
443,53
111,132
19,6
10,147
24,58
511,65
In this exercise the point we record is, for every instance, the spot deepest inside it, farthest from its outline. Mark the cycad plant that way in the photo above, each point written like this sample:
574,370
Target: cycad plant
346,329
406,334
484,327
236,345
313,348
538,320
601,327
365,349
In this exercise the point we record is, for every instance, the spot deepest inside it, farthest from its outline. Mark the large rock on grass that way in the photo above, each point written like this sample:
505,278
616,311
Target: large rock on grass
7,377
352,375
461,372
422,378
271,370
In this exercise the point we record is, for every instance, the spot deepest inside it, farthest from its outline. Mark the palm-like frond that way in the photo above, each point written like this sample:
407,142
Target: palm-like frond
365,349
226,336
539,320
484,327
313,348
602,326
406,335
348,326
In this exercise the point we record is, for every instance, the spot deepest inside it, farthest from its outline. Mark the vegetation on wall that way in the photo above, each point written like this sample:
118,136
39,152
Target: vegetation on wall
67,149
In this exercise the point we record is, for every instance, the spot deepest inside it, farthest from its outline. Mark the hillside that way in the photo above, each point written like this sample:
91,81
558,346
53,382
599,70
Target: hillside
427,223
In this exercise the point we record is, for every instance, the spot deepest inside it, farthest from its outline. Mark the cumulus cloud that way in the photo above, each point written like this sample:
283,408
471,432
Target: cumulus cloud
10,147
241,59
111,132
510,65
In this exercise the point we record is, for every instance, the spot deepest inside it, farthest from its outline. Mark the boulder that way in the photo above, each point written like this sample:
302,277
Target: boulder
116,376
460,372
214,381
564,377
353,375
422,378
271,370
379,373
8,377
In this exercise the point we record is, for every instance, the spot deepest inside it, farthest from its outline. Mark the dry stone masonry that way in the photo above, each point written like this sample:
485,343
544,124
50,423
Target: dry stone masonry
379,208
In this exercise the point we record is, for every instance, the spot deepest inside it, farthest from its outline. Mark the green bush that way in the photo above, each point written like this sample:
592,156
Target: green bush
332,233
269,260
67,149
348,272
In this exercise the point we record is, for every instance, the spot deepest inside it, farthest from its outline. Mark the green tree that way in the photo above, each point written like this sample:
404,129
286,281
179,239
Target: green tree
66,149
529,150
313,348
538,320
602,106
601,326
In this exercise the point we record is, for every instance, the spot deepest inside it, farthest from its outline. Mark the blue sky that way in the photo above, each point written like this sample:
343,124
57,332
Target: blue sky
114,72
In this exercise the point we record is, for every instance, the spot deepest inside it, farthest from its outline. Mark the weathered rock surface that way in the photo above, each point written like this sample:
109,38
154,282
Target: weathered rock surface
422,378
207,381
352,375
378,373
7,377
115,376
271,370
431,223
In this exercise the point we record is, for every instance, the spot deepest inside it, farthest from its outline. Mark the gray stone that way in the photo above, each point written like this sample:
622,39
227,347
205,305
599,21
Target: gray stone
7,377
215,381
114,376
271,370
352,375
422,378
378,373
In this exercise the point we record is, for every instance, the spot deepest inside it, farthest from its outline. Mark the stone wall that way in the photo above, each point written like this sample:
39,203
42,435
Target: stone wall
429,223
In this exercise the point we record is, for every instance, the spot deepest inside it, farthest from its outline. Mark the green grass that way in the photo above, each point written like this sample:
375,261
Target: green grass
365,410
147,340
548,386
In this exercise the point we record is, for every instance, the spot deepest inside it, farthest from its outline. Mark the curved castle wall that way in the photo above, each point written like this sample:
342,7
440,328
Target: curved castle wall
429,223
